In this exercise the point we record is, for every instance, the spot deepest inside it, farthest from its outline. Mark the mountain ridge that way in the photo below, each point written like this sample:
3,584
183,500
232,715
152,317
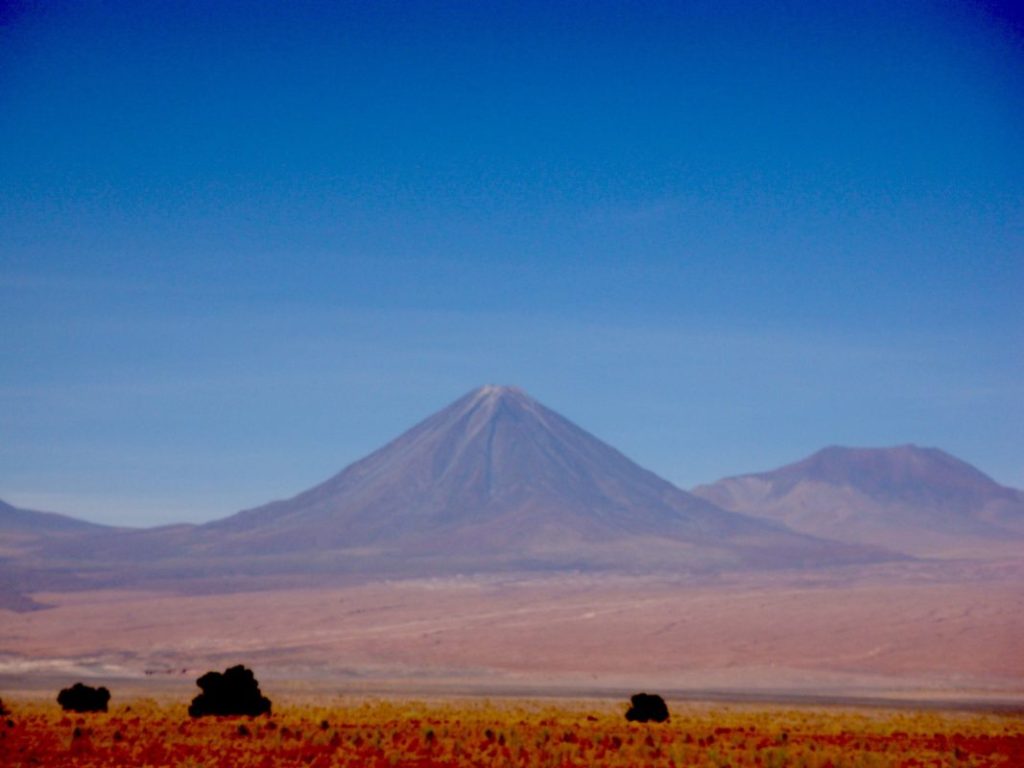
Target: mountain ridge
485,472
904,497
920,500
493,482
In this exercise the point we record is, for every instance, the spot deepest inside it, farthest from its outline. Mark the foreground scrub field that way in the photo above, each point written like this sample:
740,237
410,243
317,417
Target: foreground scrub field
388,733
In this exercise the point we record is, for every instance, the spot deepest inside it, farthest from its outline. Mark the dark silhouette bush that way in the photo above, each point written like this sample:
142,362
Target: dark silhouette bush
647,707
235,692
3,710
83,698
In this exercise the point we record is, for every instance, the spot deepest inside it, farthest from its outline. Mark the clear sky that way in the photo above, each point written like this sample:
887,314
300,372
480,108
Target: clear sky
242,246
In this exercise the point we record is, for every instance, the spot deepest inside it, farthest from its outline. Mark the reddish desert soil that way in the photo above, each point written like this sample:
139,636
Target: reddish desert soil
947,628
525,734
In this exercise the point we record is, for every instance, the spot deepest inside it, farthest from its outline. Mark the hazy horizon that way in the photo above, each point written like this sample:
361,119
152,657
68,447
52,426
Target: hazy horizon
483,391
242,248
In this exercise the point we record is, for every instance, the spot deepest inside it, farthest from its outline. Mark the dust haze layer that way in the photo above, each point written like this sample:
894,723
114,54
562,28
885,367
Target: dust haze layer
916,500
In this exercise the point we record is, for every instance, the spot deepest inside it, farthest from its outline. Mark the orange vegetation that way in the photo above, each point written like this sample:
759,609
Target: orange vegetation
386,733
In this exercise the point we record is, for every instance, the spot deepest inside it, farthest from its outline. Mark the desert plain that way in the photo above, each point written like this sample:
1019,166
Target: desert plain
944,630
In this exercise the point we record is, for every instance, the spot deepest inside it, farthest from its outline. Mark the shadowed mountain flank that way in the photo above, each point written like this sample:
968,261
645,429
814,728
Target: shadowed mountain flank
917,500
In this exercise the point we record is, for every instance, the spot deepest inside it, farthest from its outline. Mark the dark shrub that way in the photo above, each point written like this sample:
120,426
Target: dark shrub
235,692
83,698
647,707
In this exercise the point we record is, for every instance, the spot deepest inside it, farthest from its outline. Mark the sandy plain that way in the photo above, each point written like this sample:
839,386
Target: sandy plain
947,630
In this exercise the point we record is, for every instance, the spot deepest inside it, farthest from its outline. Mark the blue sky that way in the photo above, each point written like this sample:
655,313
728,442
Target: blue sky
242,246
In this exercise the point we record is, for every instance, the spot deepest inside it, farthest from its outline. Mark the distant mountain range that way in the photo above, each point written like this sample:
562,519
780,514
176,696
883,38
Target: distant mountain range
496,482
493,482
916,500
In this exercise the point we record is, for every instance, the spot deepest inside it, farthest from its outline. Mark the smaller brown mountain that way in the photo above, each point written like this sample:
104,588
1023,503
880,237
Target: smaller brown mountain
921,501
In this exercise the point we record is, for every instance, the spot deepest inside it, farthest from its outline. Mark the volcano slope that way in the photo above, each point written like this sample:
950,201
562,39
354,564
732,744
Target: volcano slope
497,480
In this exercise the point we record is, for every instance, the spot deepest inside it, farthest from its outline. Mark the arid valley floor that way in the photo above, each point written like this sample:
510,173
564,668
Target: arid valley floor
943,630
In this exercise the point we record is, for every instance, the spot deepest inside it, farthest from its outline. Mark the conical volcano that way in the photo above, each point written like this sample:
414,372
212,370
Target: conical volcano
497,480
